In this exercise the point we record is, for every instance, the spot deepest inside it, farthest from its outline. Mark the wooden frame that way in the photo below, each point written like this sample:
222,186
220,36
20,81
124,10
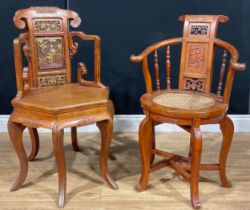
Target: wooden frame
203,33
45,96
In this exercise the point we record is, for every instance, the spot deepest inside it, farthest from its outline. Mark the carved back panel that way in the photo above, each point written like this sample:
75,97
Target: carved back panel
46,46
197,54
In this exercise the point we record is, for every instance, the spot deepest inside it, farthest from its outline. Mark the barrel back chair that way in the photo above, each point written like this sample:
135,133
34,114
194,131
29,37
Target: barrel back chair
190,105
46,96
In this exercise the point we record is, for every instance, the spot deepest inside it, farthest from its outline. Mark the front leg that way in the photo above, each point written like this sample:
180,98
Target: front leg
227,128
15,132
146,143
106,129
57,136
196,149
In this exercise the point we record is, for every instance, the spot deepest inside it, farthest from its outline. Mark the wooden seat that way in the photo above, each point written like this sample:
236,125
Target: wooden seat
74,97
191,105
46,96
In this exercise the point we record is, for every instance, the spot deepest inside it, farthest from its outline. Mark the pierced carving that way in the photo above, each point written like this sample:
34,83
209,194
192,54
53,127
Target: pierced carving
50,53
196,58
73,49
47,25
194,84
199,30
51,80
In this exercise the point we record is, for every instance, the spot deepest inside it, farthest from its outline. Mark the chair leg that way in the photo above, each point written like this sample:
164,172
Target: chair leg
153,143
227,129
35,143
15,132
74,139
57,136
196,147
106,130
145,141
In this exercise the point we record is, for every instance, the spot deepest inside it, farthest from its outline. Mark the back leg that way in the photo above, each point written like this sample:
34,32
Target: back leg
74,139
227,129
35,143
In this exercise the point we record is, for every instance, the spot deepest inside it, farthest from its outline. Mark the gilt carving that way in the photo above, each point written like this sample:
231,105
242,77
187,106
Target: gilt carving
50,53
47,25
51,80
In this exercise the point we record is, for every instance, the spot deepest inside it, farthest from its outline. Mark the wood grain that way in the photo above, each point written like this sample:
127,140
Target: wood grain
87,191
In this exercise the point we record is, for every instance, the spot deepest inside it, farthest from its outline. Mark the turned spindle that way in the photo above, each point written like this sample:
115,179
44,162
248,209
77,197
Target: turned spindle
156,66
222,71
168,68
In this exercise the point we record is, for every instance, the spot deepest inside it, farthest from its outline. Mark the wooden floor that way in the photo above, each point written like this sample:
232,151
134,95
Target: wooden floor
86,190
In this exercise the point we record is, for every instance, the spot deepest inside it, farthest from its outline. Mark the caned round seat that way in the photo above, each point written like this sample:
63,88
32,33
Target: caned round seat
184,100
185,104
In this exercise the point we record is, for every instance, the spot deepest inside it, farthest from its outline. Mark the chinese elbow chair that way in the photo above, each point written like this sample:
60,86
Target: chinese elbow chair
191,105
47,98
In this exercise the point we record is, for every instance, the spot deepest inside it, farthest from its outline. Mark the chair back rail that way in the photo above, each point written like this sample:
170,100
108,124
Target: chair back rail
48,47
197,58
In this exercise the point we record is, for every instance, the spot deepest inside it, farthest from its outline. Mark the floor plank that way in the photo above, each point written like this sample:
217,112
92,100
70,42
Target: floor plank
86,190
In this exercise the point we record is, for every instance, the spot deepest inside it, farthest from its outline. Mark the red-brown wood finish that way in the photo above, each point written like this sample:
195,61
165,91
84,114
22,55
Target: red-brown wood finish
196,70
45,95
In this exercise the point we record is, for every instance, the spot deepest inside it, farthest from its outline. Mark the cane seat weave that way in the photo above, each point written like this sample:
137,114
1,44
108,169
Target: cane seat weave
184,100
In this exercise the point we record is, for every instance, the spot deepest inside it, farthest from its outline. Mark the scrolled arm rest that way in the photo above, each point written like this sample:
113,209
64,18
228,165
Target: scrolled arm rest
238,66
155,46
97,53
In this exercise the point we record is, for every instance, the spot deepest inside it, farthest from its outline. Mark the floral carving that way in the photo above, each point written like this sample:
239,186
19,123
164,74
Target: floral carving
47,25
51,80
196,58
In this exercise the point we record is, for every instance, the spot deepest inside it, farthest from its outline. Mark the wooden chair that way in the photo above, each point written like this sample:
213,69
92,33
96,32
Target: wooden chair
191,105
45,95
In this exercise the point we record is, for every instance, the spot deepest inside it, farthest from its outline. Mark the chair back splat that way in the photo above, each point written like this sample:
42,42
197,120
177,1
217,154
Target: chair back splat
197,54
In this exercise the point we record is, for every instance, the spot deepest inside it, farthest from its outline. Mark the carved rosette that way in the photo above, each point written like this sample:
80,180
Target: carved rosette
194,84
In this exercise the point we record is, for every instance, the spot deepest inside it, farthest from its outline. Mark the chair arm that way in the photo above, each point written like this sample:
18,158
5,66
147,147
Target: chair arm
155,46
21,71
97,54
238,66
234,54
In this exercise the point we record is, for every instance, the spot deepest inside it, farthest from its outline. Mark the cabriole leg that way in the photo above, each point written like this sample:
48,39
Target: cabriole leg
34,143
196,149
74,139
145,141
227,129
57,136
106,130
15,132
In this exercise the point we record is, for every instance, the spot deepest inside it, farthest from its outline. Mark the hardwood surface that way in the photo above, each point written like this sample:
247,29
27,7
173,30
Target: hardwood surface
86,189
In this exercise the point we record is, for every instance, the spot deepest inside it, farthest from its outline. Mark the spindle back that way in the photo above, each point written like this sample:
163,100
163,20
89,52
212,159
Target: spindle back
198,44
